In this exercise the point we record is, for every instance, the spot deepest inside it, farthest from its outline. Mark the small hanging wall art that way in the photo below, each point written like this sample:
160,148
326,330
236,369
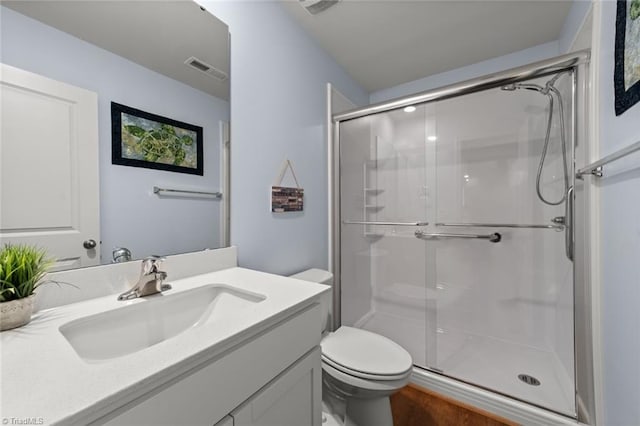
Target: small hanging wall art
286,199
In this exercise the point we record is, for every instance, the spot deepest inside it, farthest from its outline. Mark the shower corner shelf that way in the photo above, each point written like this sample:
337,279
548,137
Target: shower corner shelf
374,235
374,164
373,191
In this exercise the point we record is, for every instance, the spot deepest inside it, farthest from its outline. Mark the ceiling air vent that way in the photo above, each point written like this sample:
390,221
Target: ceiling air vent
316,6
204,67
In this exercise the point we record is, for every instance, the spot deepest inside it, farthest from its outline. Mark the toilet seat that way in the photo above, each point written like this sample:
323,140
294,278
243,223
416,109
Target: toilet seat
362,375
354,385
365,355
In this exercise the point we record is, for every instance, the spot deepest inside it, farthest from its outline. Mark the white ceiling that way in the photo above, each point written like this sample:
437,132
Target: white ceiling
383,43
158,35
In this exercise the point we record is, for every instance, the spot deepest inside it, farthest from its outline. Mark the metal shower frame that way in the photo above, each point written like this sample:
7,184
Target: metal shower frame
568,62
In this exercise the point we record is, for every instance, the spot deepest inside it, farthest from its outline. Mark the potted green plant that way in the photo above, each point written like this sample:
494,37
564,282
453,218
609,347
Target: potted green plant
22,270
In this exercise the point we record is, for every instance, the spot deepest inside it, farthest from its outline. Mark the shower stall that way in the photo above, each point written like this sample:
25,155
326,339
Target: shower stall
452,229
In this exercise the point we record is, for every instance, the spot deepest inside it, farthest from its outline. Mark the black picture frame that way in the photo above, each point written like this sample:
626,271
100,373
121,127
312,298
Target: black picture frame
624,98
179,127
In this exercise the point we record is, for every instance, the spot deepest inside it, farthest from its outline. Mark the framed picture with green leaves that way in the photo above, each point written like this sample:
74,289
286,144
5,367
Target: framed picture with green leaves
142,139
626,78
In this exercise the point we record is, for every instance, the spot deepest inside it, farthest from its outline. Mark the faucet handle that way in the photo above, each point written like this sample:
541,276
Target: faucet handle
151,263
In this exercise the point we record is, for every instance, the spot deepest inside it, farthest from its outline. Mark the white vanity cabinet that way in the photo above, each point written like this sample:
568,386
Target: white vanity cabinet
271,378
255,363
291,399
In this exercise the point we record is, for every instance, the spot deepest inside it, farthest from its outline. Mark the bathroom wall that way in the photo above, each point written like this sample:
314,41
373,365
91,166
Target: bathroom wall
573,26
278,92
620,243
179,225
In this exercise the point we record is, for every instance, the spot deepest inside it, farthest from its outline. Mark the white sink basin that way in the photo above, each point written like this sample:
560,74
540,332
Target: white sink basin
151,320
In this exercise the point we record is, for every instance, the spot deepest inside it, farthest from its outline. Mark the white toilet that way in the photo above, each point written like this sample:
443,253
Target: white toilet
360,370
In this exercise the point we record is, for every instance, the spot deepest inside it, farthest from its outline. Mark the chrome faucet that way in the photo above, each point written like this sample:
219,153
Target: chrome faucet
121,254
150,281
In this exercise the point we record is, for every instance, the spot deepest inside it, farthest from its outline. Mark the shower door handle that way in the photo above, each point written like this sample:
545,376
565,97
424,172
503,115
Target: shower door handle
494,238
568,226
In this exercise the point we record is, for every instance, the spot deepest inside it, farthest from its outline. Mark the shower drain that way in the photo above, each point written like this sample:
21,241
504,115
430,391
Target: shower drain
530,380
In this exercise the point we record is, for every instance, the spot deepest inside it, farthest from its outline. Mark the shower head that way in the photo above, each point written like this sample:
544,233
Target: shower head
509,87
527,86
548,87
554,79
548,90
317,6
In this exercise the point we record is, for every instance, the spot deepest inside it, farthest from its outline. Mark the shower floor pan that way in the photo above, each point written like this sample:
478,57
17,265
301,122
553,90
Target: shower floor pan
486,362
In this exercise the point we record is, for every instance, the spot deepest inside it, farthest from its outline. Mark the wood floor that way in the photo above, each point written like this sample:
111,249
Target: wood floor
415,406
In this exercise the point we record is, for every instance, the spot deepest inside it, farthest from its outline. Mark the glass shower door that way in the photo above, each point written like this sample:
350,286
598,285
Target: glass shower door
424,196
385,196
505,310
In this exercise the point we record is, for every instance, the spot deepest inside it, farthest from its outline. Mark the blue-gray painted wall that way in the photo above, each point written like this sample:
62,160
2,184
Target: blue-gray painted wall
278,104
577,15
620,248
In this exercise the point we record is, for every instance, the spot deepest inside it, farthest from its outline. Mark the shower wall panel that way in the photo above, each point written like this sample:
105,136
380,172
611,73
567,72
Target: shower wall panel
355,245
488,151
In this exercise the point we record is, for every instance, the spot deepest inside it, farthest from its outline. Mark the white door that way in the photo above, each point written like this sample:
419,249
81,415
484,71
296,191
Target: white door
49,187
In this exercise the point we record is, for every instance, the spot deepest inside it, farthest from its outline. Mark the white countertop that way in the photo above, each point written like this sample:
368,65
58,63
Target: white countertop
42,377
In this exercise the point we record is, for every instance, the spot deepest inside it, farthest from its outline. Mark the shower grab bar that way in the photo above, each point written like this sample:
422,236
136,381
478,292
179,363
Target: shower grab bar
494,238
158,190
595,168
502,225
361,222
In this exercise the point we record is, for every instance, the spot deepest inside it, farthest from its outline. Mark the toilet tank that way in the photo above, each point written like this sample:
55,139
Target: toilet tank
315,276
322,277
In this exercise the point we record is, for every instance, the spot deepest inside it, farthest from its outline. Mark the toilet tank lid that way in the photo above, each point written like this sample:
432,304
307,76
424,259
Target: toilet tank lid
315,275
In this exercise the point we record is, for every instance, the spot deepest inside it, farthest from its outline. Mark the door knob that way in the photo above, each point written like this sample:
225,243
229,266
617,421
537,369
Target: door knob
89,244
